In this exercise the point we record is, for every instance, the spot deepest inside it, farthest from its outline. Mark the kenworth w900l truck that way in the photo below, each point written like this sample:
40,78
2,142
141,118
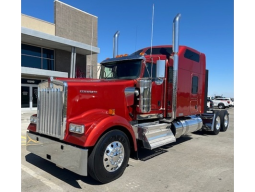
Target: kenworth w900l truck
150,98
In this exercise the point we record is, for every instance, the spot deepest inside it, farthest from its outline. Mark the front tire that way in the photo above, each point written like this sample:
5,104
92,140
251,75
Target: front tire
224,120
109,158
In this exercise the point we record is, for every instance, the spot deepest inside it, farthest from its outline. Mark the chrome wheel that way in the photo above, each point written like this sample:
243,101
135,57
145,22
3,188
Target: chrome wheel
226,121
113,156
217,121
224,118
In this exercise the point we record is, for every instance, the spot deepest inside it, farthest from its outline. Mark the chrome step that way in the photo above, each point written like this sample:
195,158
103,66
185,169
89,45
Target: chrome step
155,135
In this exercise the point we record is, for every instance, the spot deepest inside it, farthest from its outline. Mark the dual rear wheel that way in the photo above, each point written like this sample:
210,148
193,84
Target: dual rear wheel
221,122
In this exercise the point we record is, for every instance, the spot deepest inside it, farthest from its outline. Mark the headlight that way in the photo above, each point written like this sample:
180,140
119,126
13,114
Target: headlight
33,119
76,128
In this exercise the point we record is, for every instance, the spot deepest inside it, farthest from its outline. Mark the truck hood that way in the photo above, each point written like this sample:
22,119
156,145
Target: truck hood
87,94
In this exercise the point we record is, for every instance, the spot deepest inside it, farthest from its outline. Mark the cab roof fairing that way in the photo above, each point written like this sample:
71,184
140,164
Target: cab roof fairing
126,58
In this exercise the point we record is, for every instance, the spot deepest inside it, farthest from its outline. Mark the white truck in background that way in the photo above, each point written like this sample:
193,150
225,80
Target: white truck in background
221,103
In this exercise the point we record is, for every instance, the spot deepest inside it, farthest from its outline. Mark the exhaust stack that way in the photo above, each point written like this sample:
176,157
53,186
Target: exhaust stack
115,44
175,63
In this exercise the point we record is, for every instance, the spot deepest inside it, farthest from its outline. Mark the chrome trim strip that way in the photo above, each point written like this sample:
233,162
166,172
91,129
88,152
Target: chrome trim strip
130,95
147,116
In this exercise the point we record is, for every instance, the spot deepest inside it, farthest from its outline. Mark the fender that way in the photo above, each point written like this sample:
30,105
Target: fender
96,121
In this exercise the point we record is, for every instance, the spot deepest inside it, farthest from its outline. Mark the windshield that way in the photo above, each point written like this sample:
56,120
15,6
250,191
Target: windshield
121,70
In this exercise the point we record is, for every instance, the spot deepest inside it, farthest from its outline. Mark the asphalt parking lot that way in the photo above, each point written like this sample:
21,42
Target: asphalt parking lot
196,162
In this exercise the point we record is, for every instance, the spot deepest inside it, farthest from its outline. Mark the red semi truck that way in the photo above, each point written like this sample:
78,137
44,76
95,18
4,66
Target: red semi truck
149,98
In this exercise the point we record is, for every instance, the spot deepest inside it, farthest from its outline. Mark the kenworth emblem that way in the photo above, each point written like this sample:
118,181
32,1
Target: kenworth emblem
87,91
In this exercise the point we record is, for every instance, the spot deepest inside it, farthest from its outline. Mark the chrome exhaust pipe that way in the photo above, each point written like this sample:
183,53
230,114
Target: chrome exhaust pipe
115,44
175,64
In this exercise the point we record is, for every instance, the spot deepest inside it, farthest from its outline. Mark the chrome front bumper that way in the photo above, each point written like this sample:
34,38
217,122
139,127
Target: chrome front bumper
63,155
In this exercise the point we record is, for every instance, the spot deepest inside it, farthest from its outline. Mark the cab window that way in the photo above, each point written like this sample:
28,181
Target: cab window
147,70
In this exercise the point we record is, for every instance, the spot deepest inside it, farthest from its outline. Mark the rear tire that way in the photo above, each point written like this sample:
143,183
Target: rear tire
224,117
217,124
109,158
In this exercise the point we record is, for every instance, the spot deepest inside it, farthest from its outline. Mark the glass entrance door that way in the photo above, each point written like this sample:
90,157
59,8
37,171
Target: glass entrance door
29,96
25,97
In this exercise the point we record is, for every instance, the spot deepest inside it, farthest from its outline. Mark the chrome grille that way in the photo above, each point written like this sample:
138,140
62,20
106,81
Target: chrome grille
51,116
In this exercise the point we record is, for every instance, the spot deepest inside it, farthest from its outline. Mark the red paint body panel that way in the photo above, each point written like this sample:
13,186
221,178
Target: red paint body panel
96,122
32,127
111,121
107,94
187,103
88,103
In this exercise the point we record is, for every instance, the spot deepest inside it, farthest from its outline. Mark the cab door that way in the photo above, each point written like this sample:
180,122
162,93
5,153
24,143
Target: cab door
157,91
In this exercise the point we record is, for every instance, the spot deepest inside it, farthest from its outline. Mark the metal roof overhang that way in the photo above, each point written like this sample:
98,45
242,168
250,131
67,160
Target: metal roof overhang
27,72
34,37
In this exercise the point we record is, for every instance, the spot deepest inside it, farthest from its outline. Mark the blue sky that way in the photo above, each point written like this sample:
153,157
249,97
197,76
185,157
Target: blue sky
207,26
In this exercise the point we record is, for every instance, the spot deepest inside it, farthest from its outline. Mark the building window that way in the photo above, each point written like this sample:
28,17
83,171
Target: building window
37,57
194,88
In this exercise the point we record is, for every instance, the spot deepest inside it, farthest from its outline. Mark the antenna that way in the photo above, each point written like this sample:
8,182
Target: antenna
135,38
91,66
152,27
152,36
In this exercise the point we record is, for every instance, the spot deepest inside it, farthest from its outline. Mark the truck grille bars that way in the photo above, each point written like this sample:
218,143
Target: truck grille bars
51,109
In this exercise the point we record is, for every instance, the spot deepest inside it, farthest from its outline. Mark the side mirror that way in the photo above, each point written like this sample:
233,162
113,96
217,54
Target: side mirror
160,71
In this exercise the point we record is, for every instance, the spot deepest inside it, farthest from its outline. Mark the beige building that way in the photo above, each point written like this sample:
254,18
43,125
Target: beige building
65,48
